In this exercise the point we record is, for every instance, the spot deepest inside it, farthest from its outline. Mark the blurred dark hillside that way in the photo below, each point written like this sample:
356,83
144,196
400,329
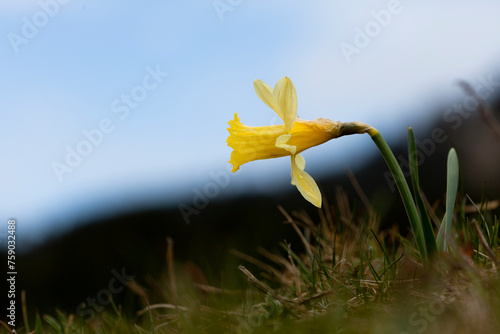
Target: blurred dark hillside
82,263
65,272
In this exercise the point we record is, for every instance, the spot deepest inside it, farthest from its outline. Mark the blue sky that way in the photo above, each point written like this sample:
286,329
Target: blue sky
71,67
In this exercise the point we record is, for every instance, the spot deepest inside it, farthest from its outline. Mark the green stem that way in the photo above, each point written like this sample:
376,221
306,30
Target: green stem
403,188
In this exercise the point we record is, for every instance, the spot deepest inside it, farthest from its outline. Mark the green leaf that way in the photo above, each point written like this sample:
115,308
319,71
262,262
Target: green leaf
451,194
404,190
427,229
38,324
53,323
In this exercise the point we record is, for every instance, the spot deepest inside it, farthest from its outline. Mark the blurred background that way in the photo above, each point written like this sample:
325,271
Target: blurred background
113,108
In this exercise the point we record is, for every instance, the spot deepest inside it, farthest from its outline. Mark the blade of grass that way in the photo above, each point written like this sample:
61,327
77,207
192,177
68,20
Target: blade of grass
392,264
428,231
484,242
301,264
25,310
151,320
386,256
483,219
451,194
496,226
372,269
38,324
53,323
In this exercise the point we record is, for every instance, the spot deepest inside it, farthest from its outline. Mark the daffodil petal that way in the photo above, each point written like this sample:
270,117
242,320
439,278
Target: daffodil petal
304,182
281,143
265,93
286,97
300,161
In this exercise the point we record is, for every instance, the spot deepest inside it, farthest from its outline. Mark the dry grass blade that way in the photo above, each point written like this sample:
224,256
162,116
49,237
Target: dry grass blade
138,290
295,273
162,306
344,207
171,270
307,245
255,282
264,266
262,287
5,325
359,191
216,290
431,209
280,260
488,206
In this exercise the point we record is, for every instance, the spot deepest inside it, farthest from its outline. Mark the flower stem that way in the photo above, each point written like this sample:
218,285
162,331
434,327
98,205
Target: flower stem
403,188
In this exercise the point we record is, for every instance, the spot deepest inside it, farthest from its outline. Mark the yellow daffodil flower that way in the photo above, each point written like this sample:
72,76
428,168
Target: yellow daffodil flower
294,136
